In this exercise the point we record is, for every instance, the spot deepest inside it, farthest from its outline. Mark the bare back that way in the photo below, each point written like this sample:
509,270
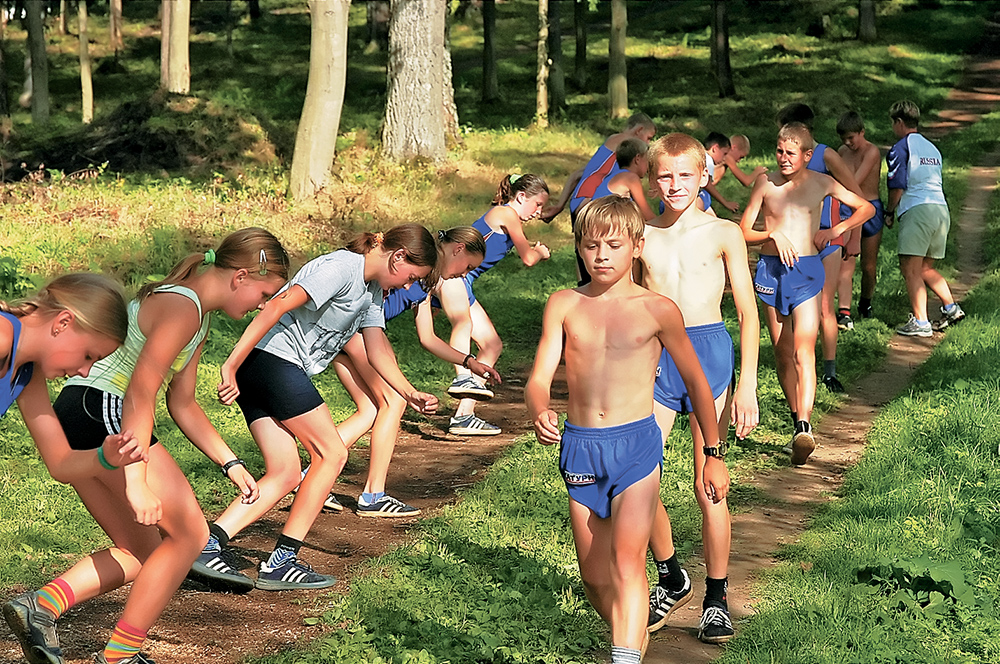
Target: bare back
792,207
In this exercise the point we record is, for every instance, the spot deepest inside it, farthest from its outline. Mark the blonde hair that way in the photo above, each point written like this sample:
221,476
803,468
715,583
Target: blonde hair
467,235
797,132
740,142
600,217
906,111
253,249
96,301
676,145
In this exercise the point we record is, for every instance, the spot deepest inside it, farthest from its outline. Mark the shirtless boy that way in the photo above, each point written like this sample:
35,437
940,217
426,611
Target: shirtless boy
739,147
717,147
687,256
611,451
790,272
632,161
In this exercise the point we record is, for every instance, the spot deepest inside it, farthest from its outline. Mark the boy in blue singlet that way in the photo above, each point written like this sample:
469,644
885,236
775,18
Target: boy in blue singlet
632,163
790,274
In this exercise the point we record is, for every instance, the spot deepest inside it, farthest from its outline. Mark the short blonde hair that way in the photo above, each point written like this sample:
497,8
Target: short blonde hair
740,142
797,133
600,217
676,145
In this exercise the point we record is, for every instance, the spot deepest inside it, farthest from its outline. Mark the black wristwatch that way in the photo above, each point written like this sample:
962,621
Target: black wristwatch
719,452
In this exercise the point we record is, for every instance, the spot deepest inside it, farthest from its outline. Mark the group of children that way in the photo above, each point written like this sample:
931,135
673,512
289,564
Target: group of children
642,337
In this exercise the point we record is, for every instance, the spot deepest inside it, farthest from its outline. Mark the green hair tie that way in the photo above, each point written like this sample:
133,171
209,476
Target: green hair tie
514,178
210,257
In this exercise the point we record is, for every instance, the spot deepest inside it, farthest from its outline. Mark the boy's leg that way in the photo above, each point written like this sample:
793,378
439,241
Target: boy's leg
845,286
661,539
933,279
869,270
592,539
805,327
912,268
828,320
780,329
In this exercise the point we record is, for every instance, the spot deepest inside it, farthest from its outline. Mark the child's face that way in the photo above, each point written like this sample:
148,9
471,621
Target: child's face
609,258
853,139
737,153
791,157
251,293
400,272
676,181
528,207
718,153
459,262
74,351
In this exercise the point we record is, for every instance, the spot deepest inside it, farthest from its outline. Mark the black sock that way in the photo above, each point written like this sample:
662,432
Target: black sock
220,535
829,368
287,548
795,418
670,573
865,306
715,592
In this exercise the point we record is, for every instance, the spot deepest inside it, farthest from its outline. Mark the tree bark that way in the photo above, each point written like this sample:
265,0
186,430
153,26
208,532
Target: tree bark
377,17
557,75
617,73
866,21
39,63
720,44
229,28
86,80
316,138
254,7
452,132
580,9
542,79
4,99
491,89
178,63
115,26
63,10
414,109
166,12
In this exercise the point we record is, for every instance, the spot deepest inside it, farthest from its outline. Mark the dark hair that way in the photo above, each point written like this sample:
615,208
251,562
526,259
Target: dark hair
467,235
640,120
628,150
253,249
906,111
796,112
415,240
95,300
715,138
850,122
512,184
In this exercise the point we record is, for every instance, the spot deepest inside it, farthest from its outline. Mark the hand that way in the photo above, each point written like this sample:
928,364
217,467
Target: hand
853,247
890,218
245,482
715,479
733,206
422,402
147,507
121,449
547,427
745,414
824,237
757,172
228,391
549,212
785,249
484,370
542,250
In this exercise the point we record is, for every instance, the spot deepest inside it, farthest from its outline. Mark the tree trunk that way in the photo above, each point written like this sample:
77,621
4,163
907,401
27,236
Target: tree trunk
229,28
316,138
63,10
166,12
39,63
580,9
542,79
254,6
86,81
617,75
866,21
377,16
452,133
115,26
179,64
4,99
491,89
557,76
414,108
720,43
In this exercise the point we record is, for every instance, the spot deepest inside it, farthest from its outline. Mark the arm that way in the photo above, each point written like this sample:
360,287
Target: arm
863,211
786,251
869,162
196,426
725,202
292,298
536,391
552,209
531,254
745,411
436,346
382,358
744,179
890,211
638,194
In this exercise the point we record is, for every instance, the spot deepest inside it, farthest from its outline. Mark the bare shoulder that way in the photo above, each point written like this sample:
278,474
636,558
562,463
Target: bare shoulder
873,149
662,308
171,310
562,300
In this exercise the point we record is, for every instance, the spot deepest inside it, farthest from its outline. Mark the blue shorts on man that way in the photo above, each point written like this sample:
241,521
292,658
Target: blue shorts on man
874,225
714,348
784,287
597,464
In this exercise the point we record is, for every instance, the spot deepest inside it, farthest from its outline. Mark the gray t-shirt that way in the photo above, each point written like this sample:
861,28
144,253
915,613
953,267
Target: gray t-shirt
340,303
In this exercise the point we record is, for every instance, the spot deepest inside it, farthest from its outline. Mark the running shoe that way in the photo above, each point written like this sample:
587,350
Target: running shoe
715,625
663,602
331,502
948,318
914,329
844,321
386,506
35,629
293,574
137,658
867,312
469,387
470,425
833,384
214,571
803,443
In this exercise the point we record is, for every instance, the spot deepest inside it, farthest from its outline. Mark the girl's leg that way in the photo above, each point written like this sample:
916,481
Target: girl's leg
490,347
356,383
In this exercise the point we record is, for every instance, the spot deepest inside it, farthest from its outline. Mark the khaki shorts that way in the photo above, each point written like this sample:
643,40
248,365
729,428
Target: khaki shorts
923,231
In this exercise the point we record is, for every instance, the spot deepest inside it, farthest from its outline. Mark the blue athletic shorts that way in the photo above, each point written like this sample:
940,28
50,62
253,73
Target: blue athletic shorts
274,387
785,288
706,198
598,464
714,348
89,415
874,225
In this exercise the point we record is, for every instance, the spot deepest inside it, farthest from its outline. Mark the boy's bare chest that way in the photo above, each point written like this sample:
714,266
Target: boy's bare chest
618,329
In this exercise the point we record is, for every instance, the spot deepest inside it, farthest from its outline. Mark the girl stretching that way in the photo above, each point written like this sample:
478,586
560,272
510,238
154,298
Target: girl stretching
297,335
148,509
519,198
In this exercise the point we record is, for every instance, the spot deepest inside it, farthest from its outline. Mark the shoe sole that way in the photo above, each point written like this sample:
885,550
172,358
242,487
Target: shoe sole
456,431
264,584
336,507
923,335
716,640
19,625
218,581
663,621
803,445
388,515
468,393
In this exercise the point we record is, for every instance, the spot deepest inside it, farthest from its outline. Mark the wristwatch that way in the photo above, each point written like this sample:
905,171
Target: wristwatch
719,451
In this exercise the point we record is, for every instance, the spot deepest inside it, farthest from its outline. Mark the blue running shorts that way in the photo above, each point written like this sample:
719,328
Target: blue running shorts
271,386
714,348
785,288
598,464
874,225
704,197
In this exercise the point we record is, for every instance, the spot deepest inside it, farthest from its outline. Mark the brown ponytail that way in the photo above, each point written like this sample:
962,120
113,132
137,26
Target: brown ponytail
530,184
414,239
96,301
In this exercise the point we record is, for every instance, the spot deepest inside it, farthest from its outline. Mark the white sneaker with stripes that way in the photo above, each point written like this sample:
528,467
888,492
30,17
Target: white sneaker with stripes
292,574
387,506
470,425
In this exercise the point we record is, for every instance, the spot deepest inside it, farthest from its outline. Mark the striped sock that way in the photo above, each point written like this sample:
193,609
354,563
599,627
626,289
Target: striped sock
56,598
125,642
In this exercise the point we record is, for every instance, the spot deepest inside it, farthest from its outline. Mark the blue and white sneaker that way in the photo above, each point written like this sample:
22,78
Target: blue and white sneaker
35,629
214,571
293,574
469,387
948,318
470,425
913,328
386,506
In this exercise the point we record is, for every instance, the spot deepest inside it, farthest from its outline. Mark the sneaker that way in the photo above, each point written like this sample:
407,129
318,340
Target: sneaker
469,387
293,574
387,506
35,628
915,329
137,658
833,384
331,503
948,319
663,602
212,569
844,321
715,625
470,425
803,443
867,312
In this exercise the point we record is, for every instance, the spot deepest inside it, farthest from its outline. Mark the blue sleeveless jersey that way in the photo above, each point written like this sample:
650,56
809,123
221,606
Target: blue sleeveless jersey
11,389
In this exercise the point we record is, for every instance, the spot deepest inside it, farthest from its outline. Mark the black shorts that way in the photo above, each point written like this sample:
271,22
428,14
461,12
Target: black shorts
89,415
274,387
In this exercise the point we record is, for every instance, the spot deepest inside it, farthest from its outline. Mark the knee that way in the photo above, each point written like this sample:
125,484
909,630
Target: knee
803,356
367,412
492,344
327,452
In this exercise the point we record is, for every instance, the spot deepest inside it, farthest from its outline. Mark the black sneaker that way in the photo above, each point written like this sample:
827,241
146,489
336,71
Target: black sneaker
833,384
715,625
293,574
803,443
137,658
867,312
35,628
212,569
663,602
387,506
844,321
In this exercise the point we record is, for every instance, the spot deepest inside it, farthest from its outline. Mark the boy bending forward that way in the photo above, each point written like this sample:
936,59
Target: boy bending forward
612,449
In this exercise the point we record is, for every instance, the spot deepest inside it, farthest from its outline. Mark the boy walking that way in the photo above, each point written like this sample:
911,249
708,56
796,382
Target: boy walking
687,257
611,451
916,195
790,272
